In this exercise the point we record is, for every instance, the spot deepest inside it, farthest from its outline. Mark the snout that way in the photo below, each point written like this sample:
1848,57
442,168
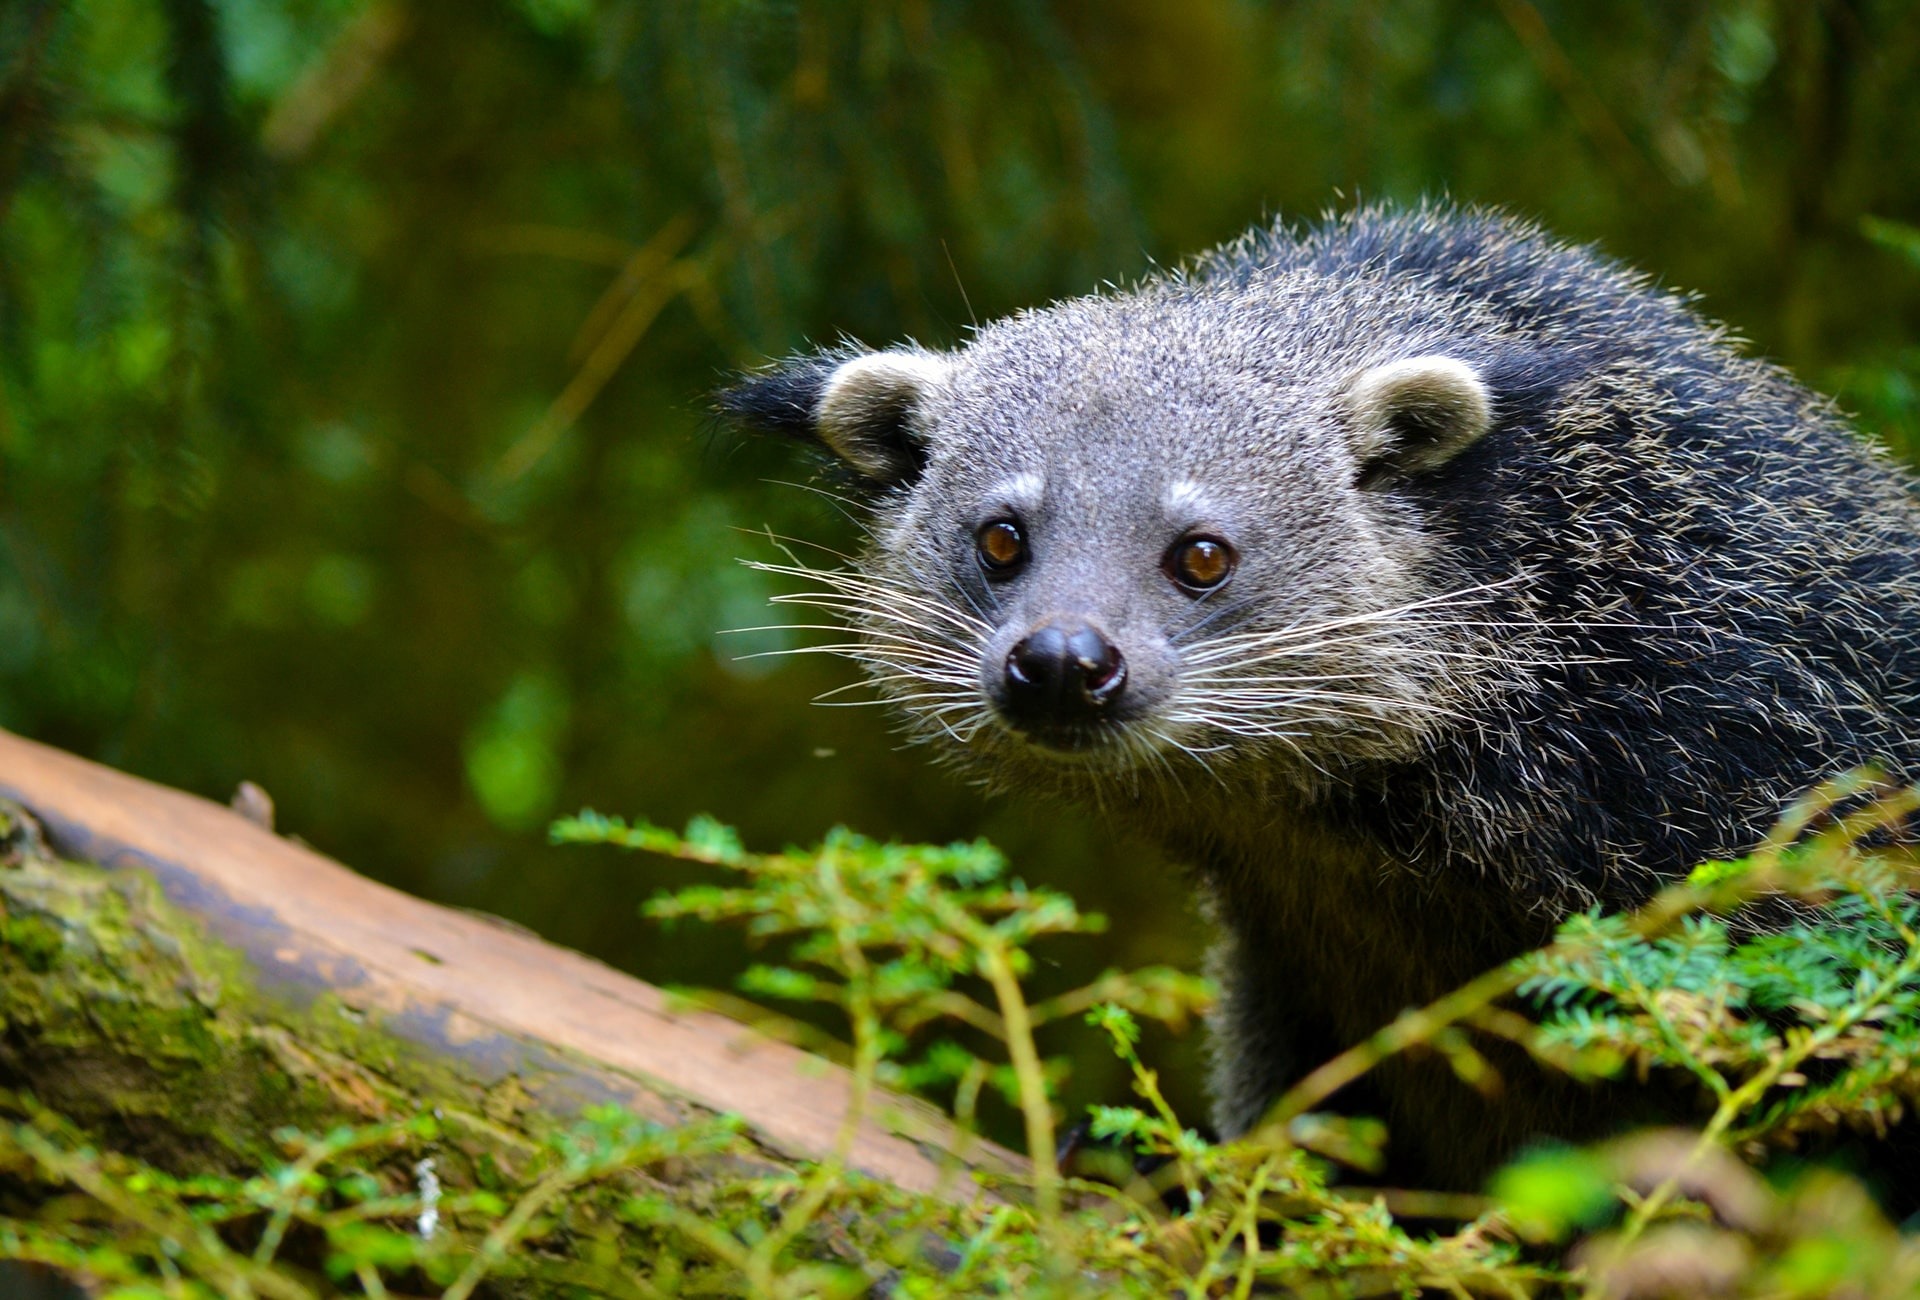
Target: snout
1061,677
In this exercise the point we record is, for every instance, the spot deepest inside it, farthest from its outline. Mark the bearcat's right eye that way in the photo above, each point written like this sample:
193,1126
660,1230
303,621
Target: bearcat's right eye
1000,546
1200,563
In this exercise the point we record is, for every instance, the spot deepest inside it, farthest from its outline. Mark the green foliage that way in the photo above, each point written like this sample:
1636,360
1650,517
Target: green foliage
1808,1028
1804,1029
893,936
353,1211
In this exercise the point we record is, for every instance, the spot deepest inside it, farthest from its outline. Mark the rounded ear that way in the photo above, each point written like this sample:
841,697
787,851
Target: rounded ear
865,412
859,408
1414,415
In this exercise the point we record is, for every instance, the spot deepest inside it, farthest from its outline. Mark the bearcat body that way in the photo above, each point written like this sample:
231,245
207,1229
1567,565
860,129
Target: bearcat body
1539,593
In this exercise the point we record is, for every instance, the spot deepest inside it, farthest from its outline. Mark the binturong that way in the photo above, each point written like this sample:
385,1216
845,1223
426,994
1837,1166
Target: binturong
1413,577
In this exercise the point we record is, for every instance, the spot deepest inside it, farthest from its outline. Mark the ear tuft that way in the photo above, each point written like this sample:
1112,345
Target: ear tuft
779,400
1417,414
859,408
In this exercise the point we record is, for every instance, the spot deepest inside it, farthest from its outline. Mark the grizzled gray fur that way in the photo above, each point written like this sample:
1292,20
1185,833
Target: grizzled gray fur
1414,577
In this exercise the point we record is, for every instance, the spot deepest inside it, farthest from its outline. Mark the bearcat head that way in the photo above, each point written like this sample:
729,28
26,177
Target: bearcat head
1174,529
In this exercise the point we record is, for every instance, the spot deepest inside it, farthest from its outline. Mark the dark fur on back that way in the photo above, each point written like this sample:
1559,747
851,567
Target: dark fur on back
1744,570
1470,672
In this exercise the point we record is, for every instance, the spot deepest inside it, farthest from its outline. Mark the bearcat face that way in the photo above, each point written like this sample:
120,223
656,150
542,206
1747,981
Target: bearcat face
1153,534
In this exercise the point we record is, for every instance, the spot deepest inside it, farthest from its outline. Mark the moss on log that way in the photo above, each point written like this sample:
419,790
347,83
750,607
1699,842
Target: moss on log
185,984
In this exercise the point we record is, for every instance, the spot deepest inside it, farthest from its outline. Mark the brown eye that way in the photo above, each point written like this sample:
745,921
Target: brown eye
1200,563
1000,545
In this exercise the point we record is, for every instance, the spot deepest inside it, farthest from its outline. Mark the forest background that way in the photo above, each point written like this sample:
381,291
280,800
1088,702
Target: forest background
354,358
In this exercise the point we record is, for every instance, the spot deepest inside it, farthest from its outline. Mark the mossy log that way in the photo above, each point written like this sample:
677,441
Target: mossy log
184,982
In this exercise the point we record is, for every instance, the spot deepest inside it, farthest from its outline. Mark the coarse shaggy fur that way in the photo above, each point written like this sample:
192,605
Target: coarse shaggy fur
1583,603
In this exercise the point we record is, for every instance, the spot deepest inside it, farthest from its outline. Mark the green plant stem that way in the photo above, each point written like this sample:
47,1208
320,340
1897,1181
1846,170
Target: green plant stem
704,1235
1406,1030
508,1230
1419,1025
1709,1077
295,1180
867,1055
1247,1227
370,1283
1036,1108
203,1251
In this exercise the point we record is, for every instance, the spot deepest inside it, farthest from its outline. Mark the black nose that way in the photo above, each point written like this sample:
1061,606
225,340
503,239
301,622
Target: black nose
1063,672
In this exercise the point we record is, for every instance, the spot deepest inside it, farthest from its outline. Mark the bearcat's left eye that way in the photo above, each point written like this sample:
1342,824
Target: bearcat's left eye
1199,563
1001,546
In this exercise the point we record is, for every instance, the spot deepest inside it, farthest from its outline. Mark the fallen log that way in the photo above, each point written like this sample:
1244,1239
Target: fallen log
179,976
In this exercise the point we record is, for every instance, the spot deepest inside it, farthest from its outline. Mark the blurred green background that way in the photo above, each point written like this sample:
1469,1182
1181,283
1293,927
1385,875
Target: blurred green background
354,356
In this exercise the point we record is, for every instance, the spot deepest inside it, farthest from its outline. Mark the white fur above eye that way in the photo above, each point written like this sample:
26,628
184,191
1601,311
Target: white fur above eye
1421,410
861,409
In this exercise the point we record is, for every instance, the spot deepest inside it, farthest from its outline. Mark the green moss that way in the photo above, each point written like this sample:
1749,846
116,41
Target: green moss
33,941
134,1016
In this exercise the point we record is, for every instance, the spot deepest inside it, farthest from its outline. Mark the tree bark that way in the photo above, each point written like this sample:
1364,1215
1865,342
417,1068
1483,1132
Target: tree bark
186,982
